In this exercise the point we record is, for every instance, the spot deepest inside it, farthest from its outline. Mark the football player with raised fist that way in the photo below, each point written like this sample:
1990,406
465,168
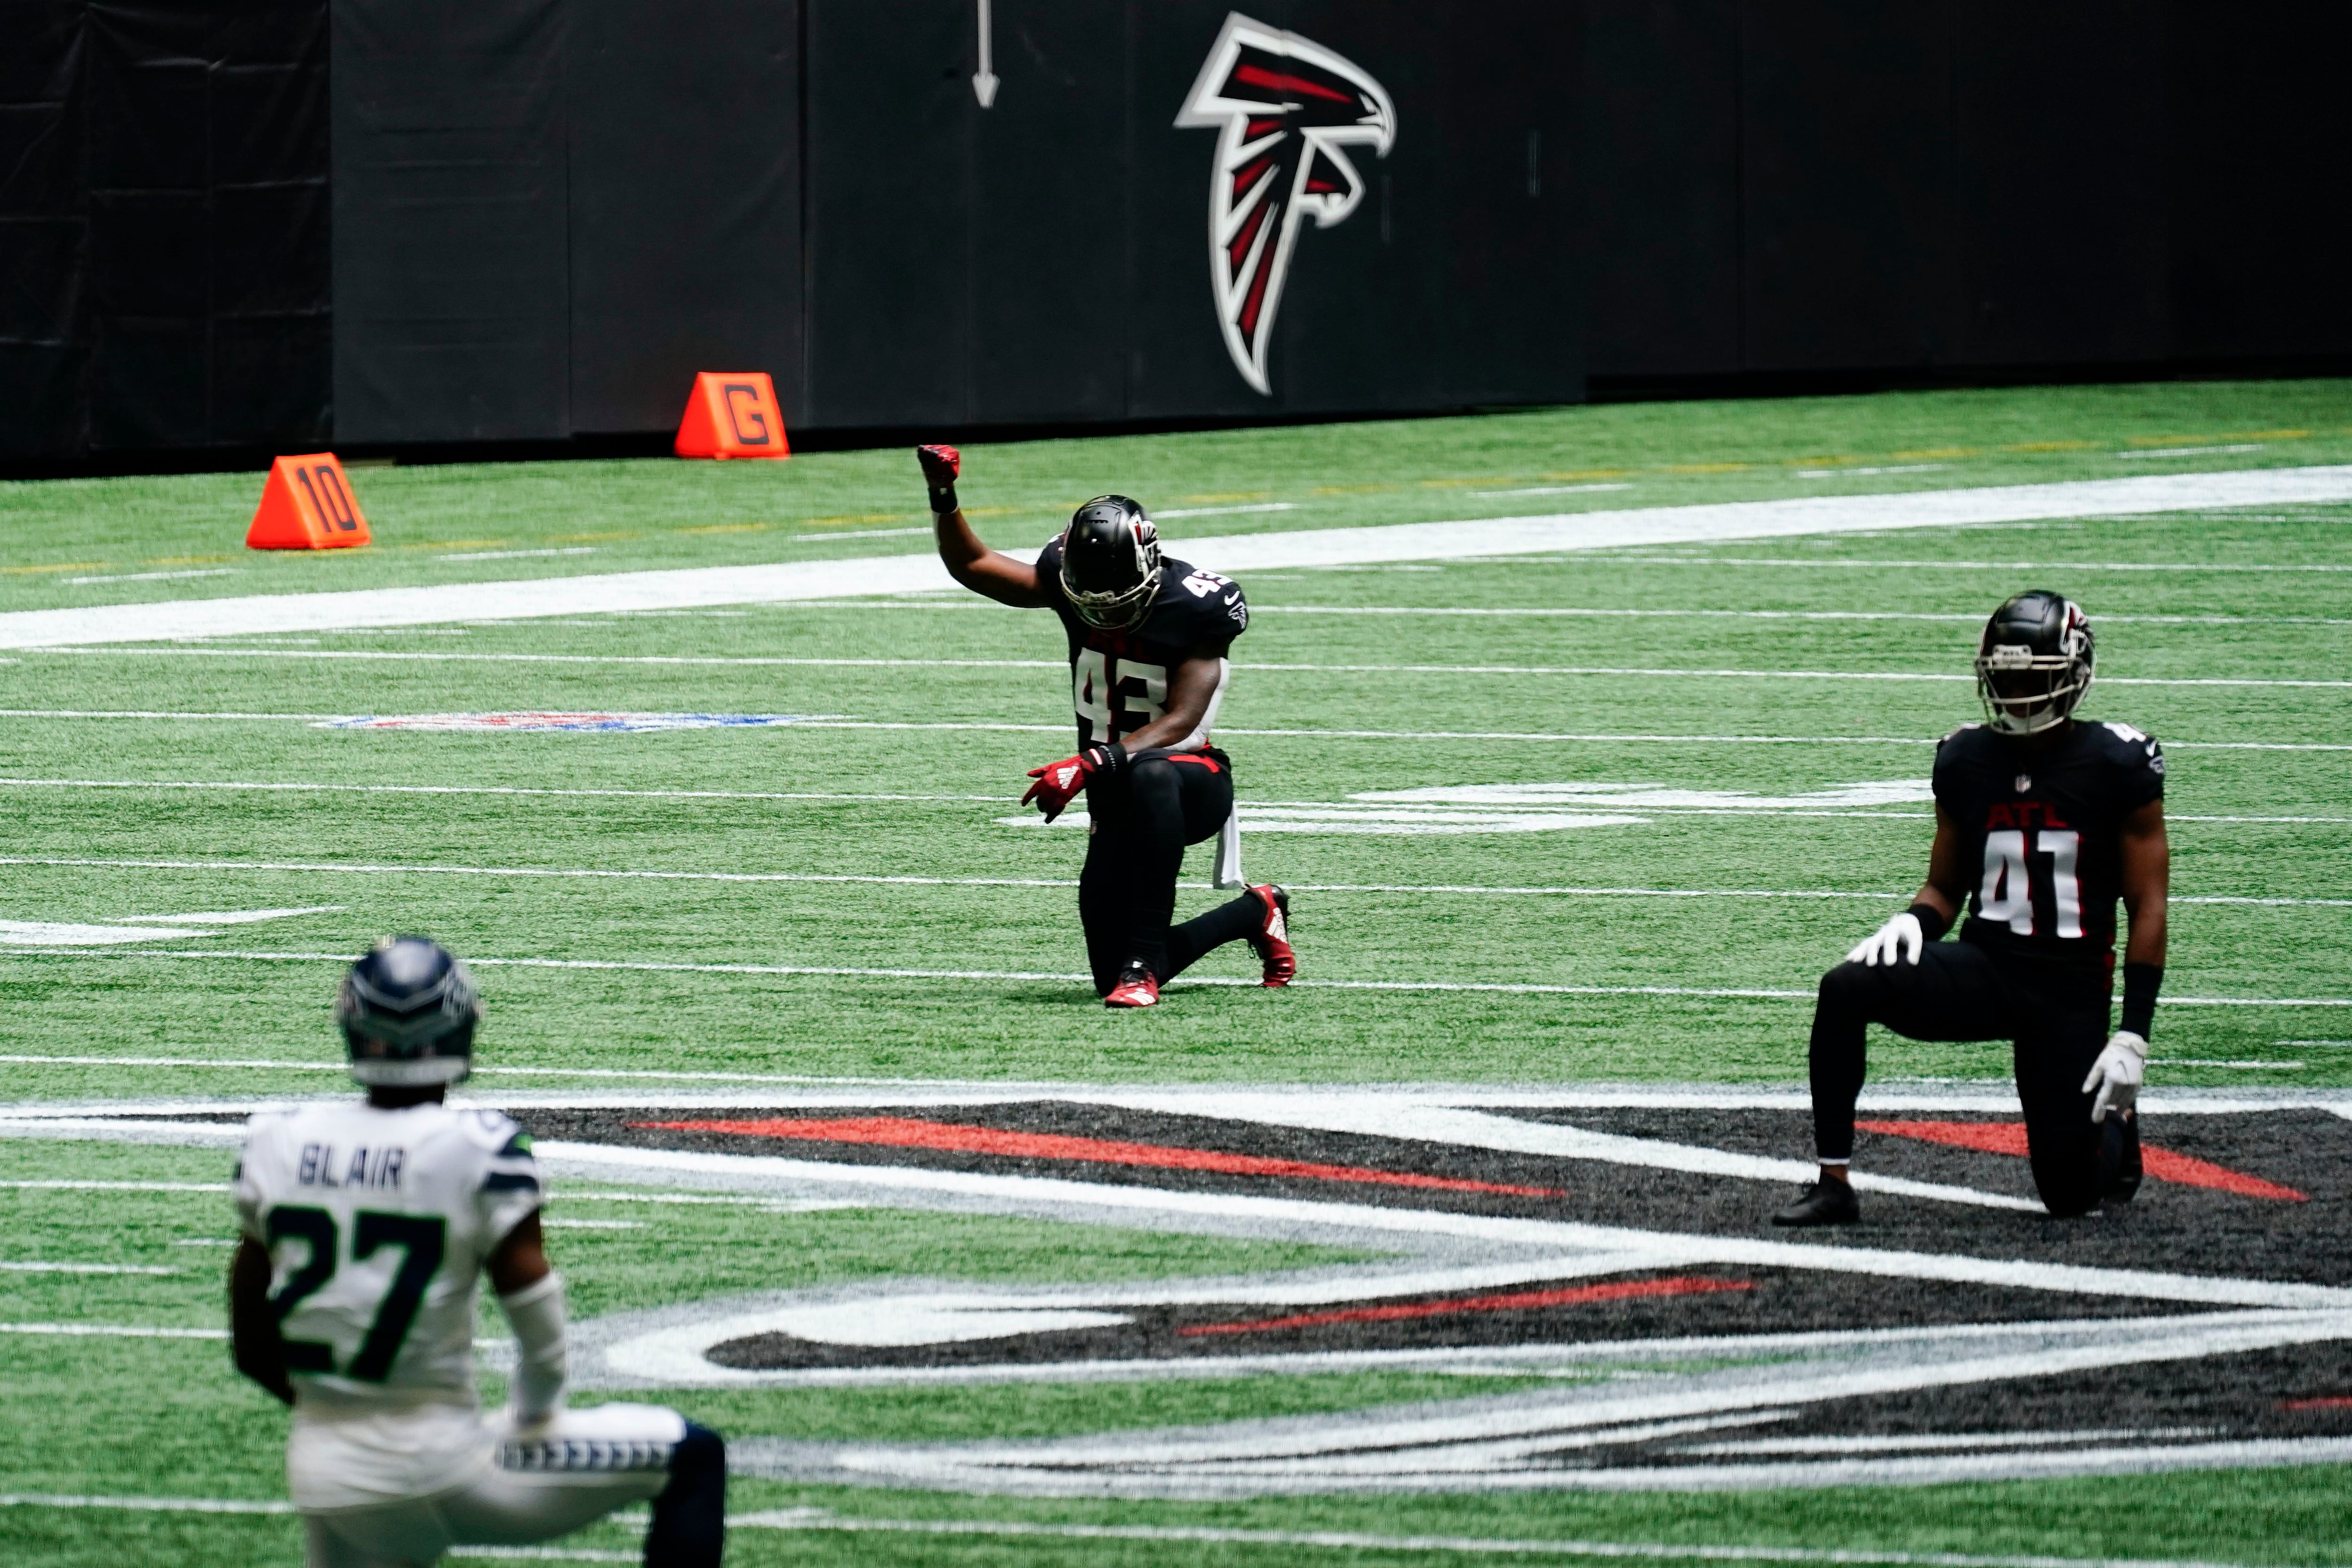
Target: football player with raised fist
369,1227
2044,822
1147,637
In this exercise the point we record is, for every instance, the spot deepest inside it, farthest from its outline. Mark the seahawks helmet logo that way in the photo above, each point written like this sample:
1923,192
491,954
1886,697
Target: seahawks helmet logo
1286,109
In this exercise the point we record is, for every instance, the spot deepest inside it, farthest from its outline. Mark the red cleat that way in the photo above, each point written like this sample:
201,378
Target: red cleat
1273,939
1135,988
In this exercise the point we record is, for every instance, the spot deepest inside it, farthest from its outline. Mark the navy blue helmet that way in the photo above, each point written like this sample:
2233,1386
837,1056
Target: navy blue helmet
408,1011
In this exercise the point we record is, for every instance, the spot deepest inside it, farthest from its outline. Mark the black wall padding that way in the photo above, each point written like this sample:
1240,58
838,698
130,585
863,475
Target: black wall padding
2260,186
1660,95
684,137
164,226
452,221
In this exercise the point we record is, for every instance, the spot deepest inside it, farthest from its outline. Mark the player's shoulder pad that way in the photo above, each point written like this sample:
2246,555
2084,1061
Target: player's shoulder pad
265,1125
2127,747
494,1133
1958,742
1215,607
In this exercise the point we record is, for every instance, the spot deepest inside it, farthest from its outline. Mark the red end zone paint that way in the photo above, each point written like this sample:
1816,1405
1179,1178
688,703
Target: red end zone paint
905,1132
1577,1296
2163,1165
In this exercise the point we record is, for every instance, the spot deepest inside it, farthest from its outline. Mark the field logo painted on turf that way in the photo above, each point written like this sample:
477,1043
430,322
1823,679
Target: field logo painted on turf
1286,109
609,723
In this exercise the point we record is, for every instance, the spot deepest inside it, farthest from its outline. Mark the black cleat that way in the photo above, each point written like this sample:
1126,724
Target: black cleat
1825,1201
2119,1163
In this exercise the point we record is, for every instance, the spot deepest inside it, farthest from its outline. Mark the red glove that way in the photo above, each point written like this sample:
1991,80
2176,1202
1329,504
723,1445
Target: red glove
1058,783
941,466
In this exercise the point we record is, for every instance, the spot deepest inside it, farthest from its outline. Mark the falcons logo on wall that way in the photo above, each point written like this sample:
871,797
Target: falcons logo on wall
1287,110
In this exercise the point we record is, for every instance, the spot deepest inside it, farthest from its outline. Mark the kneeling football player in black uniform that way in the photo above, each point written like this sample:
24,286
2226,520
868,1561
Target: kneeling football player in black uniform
2043,823
1148,638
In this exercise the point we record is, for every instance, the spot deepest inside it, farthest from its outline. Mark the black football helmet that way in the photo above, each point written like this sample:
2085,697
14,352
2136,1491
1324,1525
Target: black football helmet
408,1011
1110,563
2033,663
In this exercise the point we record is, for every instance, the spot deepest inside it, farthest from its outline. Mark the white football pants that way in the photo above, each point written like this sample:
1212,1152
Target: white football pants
588,1463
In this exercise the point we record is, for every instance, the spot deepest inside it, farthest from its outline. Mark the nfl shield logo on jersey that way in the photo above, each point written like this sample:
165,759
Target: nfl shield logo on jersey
2024,782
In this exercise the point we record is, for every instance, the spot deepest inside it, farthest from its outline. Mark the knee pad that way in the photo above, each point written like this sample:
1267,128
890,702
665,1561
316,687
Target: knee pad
689,1525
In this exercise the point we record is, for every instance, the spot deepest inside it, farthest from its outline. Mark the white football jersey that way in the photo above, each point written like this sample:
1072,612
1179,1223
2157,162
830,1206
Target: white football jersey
377,1223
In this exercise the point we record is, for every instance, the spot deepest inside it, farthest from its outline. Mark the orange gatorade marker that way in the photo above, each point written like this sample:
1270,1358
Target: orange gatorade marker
306,504
732,413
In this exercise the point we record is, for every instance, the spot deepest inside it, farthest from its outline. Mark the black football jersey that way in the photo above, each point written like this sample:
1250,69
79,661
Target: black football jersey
2044,827
1119,680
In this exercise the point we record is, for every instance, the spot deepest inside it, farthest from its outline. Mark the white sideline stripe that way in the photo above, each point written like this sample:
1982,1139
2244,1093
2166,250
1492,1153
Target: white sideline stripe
313,788
801,1519
848,973
110,1332
405,656
835,877
981,727
698,587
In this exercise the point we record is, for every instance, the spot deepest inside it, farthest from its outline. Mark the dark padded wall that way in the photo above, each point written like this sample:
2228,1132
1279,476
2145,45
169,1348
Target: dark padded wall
451,278
164,226
685,164
889,309
1661,185
2260,186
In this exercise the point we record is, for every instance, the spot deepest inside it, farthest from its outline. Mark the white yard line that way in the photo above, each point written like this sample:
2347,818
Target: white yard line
34,1266
846,971
823,878
315,787
978,726
109,1331
858,577
405,656
2296,567
821,1520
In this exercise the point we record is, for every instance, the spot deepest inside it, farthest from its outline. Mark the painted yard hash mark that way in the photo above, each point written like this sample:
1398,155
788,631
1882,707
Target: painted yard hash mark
1508,1301
906,1132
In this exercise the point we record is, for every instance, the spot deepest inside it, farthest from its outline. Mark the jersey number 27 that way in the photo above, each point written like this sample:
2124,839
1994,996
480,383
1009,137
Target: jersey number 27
421,1240
2007,895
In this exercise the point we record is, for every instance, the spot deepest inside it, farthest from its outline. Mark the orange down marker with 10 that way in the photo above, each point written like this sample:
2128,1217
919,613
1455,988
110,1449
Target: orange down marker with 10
306,504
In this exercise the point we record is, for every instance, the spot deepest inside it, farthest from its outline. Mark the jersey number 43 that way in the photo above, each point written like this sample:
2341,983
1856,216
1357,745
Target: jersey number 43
1103,689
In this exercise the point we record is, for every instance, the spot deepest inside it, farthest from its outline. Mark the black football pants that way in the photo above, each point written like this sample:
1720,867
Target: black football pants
2056,1018
1142,819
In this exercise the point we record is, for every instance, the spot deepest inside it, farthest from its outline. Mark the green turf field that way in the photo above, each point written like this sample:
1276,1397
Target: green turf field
611,885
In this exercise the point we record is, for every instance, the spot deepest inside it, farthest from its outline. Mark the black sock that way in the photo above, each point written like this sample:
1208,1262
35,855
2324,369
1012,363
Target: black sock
1228,922
689,1528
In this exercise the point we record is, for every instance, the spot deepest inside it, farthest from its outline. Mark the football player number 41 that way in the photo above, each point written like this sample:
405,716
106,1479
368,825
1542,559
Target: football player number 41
2007,895
421,1241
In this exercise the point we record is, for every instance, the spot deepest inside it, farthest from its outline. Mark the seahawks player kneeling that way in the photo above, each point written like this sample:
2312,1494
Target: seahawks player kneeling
351,1299
2043,823
1148,639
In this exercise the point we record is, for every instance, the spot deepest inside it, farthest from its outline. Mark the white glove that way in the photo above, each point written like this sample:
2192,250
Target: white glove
2117,1075
1897,941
